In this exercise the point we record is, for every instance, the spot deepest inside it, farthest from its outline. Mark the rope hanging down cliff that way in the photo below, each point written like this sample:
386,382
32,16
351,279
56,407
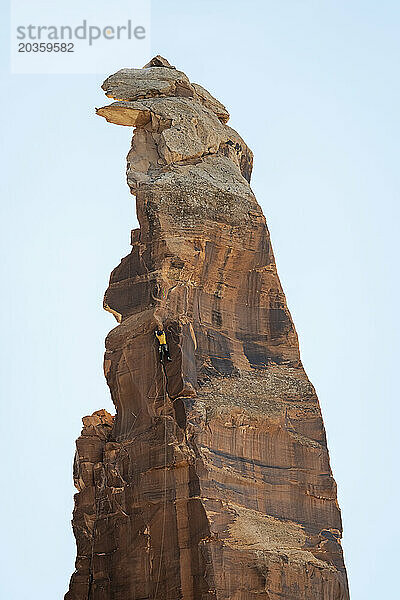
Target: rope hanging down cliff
165,381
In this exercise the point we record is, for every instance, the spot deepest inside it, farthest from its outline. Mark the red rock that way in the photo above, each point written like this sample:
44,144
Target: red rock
213,480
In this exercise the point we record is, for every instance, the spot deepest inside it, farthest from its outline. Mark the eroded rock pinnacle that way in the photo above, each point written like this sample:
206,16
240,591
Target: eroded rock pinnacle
213,478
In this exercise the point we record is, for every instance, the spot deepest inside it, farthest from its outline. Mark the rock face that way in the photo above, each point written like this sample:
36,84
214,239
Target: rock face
213,478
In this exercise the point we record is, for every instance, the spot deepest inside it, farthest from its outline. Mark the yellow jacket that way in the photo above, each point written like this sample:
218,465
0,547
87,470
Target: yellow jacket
161,337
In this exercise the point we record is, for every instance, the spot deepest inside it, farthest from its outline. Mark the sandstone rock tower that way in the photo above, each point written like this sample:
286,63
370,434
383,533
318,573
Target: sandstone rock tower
212,481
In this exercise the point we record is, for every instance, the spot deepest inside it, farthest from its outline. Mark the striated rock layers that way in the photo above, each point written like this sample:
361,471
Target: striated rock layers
213,478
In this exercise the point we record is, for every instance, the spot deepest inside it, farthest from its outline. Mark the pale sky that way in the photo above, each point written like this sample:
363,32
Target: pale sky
313,88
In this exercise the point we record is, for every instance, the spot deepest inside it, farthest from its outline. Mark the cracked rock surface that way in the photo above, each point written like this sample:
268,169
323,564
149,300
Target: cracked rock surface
212,481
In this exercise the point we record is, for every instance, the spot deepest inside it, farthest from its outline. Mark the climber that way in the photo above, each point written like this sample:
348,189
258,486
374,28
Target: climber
162,345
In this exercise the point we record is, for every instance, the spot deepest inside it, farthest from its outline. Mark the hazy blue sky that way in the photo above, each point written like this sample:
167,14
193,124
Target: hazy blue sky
313,88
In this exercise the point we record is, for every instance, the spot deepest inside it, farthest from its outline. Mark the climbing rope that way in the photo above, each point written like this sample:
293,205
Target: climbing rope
90,583
165,482
123,447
